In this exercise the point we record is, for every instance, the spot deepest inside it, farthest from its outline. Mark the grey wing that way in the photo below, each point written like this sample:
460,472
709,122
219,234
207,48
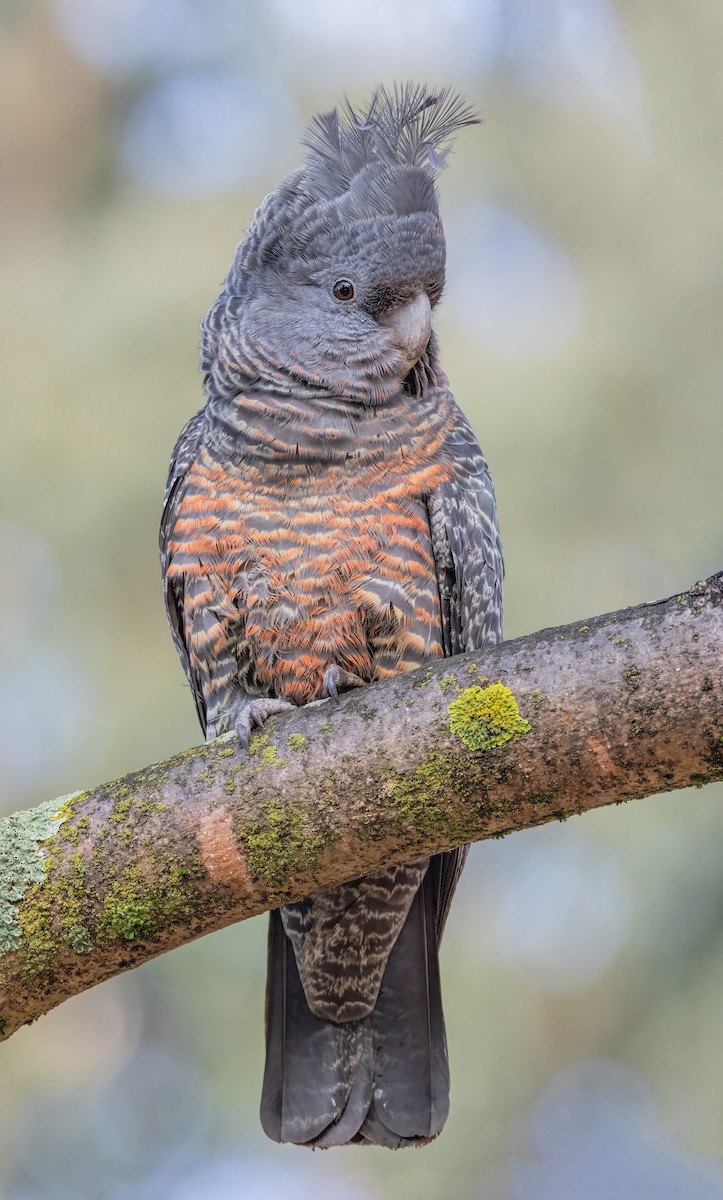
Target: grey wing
470,569
467,548
184,453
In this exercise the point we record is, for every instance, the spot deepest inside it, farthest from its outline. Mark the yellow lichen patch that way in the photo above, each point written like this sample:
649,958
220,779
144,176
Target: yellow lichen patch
264,751
258,743
487,717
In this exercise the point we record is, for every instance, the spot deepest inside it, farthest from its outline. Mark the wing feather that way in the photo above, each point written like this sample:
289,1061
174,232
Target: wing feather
182,459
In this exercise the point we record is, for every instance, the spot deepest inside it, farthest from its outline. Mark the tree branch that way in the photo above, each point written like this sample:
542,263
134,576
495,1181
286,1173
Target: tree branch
594,713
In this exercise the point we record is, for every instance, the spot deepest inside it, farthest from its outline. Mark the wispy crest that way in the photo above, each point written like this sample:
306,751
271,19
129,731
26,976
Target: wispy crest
407,125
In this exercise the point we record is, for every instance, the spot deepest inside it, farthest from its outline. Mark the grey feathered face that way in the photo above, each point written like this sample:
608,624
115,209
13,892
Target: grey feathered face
320,305
337,276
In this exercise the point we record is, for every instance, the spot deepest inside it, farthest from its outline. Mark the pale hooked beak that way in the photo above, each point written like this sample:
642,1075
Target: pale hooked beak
410,326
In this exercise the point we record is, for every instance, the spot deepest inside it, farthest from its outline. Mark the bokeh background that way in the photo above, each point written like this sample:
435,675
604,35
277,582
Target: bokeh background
581,330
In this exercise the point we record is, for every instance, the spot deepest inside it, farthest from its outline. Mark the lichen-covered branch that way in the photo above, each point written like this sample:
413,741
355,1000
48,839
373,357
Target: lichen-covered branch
597,712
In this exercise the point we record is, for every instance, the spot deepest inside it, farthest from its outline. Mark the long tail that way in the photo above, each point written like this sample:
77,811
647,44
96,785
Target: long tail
383,1080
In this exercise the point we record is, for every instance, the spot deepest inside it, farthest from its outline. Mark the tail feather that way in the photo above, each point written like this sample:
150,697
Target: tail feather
411,1073
347,1127
382,1080
307,1078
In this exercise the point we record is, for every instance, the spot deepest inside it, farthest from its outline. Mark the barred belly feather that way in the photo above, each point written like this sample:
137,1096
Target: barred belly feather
300,561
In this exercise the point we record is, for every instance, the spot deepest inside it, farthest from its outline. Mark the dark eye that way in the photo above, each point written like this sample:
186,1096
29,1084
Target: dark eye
343,289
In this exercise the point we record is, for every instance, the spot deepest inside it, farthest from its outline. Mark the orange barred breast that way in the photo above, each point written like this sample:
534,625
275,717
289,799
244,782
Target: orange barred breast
309,570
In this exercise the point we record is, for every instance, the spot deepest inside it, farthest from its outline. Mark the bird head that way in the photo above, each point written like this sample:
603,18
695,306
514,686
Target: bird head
335,282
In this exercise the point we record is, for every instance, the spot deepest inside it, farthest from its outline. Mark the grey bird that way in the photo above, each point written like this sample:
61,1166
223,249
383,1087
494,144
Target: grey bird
330,521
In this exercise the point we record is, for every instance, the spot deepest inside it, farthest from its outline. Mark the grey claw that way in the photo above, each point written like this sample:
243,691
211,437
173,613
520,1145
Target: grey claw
336,679
253,713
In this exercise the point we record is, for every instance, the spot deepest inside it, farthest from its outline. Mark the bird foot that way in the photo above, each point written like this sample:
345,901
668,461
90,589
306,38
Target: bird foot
252,714
336,680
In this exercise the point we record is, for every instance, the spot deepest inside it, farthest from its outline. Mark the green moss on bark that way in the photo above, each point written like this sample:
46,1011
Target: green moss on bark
418,796
80,939
281,845
65,902
422,797
135,906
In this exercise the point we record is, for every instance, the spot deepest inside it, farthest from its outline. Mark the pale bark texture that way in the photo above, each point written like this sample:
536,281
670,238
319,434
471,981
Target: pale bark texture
604,710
